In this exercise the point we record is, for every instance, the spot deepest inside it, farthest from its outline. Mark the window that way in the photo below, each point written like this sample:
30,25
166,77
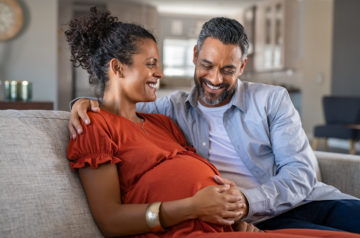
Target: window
178,57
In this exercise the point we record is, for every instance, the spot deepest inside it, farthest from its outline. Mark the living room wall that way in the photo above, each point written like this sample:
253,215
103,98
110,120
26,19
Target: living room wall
346,50
32,55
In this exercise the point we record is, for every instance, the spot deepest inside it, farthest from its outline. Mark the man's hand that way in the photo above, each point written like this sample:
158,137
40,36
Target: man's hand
246,227
80,109
234,190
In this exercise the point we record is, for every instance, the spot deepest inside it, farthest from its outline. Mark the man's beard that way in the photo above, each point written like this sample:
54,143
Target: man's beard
212,98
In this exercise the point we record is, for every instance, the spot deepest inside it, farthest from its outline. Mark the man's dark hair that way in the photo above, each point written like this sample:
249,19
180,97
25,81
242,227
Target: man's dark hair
228,31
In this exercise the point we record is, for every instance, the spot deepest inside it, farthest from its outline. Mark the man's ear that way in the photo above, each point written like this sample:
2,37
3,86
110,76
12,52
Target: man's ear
242,66
195,54
116,67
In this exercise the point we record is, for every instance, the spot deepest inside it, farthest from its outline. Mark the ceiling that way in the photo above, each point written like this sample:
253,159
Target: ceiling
193,7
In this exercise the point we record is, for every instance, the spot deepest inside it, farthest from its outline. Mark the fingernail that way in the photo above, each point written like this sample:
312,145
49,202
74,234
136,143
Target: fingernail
73,137
87,122
79,131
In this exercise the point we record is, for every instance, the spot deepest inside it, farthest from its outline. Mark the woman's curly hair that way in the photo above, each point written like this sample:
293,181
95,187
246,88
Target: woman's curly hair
97,38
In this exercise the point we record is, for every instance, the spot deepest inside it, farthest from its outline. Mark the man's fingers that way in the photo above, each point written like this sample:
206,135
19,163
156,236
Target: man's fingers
221,180
223,221
84,116
72,131
235,199
223,188
75,123
242,226
236,206
232,214
252,228
94,106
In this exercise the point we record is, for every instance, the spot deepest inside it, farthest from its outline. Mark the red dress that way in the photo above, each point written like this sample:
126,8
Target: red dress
155,164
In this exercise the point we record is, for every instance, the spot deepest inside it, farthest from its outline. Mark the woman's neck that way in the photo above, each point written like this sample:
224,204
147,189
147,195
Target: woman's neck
114,103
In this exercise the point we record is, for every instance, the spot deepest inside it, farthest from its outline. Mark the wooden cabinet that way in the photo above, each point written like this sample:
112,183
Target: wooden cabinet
33,105
276,35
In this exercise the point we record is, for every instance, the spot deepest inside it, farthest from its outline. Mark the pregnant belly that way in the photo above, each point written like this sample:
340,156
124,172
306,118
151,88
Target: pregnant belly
179,177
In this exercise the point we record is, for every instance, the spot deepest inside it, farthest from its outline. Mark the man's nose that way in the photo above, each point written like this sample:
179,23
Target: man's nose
215,77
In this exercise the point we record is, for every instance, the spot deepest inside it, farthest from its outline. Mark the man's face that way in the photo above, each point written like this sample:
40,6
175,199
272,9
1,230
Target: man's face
217,68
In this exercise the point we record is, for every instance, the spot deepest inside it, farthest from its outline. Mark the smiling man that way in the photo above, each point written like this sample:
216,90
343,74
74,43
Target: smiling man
252,134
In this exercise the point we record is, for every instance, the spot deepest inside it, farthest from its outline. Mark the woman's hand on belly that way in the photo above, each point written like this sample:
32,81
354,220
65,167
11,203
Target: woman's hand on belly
216,204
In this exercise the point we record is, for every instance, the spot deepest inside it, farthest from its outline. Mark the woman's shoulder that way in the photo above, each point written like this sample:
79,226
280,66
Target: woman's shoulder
156,117
100,120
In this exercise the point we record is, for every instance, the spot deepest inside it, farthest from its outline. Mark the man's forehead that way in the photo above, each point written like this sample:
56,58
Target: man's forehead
213,49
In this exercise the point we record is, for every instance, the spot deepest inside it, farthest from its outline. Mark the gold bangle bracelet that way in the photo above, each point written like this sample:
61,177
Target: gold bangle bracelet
153,218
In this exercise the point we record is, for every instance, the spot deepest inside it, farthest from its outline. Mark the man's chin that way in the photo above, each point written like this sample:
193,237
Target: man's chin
211,101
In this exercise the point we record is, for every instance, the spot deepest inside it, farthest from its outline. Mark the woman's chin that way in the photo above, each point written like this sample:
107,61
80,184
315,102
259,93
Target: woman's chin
150,99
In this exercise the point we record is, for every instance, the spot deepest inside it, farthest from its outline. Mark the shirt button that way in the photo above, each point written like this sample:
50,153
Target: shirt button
204,143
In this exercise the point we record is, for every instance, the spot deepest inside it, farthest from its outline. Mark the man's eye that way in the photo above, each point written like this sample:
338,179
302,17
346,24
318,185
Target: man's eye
228,72
206,66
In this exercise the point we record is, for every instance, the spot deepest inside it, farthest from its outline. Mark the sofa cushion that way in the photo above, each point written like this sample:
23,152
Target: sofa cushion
40,195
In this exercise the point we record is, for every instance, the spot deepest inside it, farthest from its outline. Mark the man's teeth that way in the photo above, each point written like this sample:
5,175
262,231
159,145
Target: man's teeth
213,87
153,85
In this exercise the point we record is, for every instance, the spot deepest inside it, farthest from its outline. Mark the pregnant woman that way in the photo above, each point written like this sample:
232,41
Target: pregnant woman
139,175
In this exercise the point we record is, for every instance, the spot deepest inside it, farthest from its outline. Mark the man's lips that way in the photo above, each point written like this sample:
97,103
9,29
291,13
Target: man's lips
212,88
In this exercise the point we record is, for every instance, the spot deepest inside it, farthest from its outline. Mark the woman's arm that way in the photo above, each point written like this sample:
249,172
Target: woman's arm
102,189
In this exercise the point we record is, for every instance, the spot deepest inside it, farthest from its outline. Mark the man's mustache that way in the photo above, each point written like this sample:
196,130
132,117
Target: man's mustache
222,85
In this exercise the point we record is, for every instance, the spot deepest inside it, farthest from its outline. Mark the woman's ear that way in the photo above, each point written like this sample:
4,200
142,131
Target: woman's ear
116,68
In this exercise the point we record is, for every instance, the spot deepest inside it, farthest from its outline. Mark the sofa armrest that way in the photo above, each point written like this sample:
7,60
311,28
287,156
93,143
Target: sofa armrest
341,171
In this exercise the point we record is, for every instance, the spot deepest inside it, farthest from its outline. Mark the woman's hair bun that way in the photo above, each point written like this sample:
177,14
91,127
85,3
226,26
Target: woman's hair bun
86,33
97,38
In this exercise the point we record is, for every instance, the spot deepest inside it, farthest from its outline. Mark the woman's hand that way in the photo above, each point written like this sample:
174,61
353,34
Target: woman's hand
79,110
215,204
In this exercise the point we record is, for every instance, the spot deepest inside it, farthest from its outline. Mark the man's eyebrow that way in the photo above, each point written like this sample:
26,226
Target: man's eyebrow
230,66
206,61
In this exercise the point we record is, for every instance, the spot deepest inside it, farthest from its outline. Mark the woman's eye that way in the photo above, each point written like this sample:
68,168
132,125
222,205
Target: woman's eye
151,65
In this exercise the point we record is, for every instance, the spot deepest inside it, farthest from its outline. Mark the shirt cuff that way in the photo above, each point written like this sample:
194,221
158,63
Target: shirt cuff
257,204
71,104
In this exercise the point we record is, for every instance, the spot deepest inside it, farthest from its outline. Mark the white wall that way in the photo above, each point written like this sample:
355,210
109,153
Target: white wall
33,54
316,61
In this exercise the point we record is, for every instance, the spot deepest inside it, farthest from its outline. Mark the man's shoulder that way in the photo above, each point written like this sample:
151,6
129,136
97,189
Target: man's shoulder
260,95
178,95
255,88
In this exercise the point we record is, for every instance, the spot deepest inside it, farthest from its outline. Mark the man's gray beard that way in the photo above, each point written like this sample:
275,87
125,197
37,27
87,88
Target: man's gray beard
213,101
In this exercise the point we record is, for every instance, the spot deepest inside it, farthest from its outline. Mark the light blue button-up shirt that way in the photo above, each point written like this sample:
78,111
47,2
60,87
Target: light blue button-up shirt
266,132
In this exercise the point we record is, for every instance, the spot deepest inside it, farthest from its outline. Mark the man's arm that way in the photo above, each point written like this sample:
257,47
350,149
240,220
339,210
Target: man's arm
80,106
294,172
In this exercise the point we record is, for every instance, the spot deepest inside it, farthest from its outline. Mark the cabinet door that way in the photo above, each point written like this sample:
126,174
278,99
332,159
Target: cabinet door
276,35
269,54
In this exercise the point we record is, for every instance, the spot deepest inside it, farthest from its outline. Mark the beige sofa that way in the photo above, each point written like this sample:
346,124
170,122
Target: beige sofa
41,197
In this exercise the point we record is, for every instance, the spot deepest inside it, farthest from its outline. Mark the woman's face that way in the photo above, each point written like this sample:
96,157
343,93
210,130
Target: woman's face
141,77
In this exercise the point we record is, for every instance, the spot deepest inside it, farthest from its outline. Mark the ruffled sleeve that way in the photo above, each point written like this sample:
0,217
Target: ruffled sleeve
95,146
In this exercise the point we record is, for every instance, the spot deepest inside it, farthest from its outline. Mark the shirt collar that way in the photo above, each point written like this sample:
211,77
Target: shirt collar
238,99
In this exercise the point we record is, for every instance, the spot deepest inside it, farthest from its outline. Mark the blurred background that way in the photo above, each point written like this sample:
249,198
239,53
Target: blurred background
311,47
